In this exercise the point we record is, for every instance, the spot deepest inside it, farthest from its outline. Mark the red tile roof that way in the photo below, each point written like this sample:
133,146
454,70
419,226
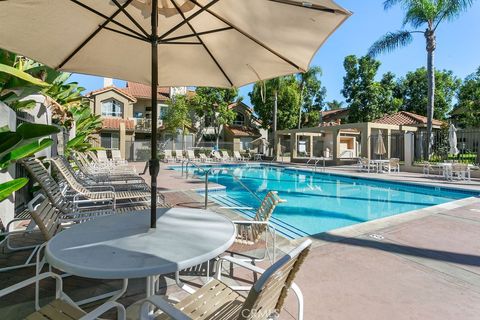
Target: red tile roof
118,90
406,118
242,131
333,115
143,91
114,123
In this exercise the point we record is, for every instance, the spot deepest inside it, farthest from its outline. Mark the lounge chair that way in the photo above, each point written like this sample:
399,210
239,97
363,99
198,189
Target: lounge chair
218,301
238,157
62,307
117,157
128,198
217,156
70,208
225,155
249,232
392,165
179,155
102,157
191,155
168,156
204,158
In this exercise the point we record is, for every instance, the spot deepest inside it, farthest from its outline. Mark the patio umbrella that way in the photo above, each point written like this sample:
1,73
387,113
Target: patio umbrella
219,43
380,148
452,140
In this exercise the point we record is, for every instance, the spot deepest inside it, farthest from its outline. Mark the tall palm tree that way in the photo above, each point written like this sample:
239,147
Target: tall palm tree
303,79
428,14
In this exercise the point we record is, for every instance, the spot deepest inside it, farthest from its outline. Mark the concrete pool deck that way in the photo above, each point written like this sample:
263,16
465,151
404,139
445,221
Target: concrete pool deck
419,265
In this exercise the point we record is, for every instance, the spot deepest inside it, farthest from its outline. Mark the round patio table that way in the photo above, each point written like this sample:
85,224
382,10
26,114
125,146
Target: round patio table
123,246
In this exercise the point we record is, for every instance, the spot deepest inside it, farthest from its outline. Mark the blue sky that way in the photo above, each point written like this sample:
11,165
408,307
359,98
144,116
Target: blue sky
458,48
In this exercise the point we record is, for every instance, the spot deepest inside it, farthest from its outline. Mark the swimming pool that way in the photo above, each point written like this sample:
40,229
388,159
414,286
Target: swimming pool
318,202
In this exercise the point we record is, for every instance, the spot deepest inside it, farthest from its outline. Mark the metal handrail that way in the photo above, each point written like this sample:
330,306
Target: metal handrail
317,160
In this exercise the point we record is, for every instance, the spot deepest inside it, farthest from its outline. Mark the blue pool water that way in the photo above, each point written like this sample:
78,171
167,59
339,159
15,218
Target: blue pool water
322,202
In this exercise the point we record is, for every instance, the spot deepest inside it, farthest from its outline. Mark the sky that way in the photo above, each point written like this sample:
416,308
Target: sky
458,48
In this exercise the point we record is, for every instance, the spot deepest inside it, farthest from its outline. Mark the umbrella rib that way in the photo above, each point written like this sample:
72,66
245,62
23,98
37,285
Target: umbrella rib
91,36
198,33
135,22
202,9
127,34
250,37
203,43
106,17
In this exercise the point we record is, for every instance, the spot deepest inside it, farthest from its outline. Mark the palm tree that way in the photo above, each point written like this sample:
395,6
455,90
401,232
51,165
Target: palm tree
304,78
335,105
428,14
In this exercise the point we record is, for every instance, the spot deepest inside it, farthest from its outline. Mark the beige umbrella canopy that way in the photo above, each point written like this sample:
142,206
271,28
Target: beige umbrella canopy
218,43
380,148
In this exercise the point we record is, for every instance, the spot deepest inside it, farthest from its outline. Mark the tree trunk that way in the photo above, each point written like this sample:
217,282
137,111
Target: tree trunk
300,111
431,45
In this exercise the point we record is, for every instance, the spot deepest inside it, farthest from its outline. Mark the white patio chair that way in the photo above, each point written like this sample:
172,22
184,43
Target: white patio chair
168,156
204,158
225,156
217,157
238,157
392,165
179,155
250,232
218,301
191,155
62,307
102,156
366,165
460,171
117,157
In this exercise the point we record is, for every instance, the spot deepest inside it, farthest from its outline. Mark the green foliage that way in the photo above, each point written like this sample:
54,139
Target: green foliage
87,124
368,99
312,96
179,115
9,187
335,105
467,109
263,99
414,89
213,104
18,145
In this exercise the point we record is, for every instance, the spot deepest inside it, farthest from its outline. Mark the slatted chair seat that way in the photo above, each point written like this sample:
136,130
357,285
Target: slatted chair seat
214,300
217,301
57,310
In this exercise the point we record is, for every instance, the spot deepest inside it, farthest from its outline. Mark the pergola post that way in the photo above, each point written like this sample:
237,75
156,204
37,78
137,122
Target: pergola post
389,143
336,145
293,145
366,140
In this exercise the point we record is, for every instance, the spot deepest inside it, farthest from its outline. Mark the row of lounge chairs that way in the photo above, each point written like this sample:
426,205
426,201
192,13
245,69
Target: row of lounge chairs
216,156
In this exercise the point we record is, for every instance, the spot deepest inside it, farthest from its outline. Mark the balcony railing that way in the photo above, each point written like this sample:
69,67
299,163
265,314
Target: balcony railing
145,124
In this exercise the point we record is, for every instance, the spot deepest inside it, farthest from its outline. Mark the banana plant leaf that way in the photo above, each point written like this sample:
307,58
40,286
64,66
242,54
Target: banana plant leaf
9,187
24,151
19,74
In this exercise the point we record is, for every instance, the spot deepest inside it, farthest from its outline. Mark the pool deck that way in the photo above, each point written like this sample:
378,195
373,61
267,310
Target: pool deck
419,265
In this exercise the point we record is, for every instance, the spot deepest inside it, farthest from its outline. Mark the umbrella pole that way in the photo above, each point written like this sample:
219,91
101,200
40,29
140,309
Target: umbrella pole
154,163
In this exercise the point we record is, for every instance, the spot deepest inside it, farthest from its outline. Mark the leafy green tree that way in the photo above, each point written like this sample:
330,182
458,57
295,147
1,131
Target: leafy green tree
179,116
212,104
335,105
87,125
468,101
367,99
390,97
428,14
263,100
414,91
312,97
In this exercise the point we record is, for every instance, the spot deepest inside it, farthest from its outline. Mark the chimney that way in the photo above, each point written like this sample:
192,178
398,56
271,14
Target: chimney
107,82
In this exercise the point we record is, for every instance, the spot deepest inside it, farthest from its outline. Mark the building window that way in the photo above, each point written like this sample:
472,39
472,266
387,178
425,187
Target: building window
112,108
162,111
245,143
110,140
138,114
239,120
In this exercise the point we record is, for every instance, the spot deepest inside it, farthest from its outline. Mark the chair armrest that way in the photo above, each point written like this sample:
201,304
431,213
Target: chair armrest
93,315
32,280
165,306
239,263
250,222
